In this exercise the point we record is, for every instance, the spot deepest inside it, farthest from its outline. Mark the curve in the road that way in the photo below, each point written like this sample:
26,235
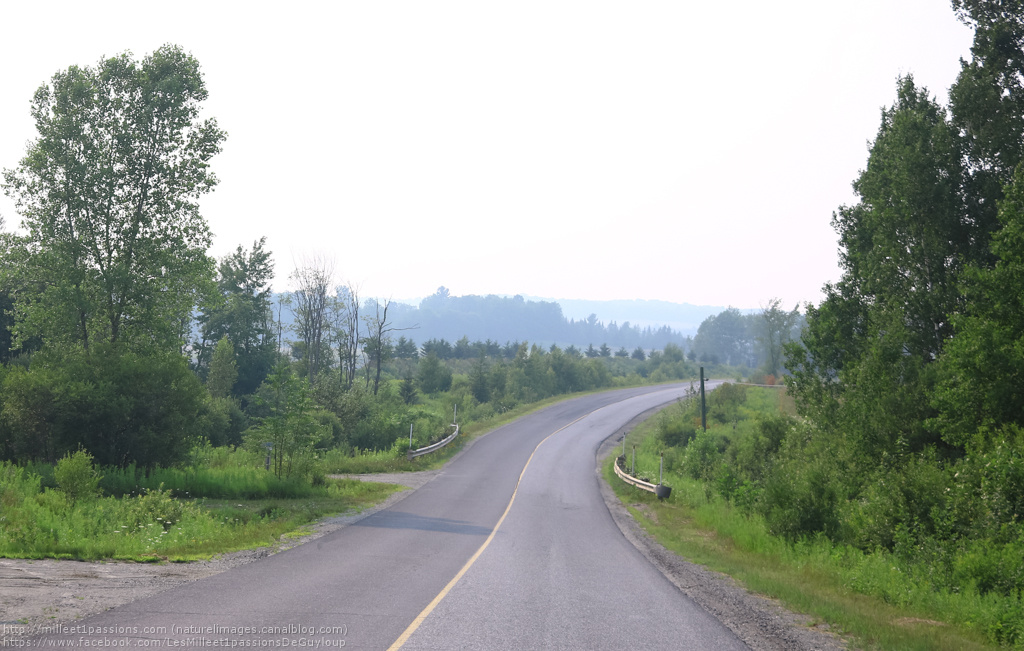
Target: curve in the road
404,637
557,574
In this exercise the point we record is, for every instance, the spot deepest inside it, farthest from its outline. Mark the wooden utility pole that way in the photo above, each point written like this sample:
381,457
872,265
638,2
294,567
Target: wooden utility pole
703,404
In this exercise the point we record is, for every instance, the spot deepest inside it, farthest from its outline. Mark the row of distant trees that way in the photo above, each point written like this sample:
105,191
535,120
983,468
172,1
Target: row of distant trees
754,340
465,349
504,319
749,340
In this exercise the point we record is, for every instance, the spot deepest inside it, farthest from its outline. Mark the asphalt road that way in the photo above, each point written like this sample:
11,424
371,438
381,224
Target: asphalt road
510,547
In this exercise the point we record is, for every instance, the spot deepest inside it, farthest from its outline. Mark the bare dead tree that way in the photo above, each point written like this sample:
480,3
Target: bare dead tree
377,343
313,280
282,301
344,315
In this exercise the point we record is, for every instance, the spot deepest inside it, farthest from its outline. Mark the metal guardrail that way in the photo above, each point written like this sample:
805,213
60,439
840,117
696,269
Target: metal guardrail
436,446
629,479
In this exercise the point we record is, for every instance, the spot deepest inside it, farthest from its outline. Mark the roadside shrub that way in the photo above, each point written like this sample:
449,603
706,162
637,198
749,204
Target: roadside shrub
801,499
773,429
154,506
991,567
986,493
900,499
724,403
703,456
16,485
122,406
677,432
76,476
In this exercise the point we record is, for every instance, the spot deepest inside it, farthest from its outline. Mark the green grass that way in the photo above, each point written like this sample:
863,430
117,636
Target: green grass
866,597
231,482
151,526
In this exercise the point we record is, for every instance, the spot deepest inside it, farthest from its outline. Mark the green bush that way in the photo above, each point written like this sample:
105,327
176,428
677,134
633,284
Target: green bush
154,506
801,499
76,476
723,404
703,455
122,406
906,498
677,432
991,567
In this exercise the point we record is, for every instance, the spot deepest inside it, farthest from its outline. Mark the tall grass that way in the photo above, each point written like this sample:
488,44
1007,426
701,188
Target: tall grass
236,482
42,522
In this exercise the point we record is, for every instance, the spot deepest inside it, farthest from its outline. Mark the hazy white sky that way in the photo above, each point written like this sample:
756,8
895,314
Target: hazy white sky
683,151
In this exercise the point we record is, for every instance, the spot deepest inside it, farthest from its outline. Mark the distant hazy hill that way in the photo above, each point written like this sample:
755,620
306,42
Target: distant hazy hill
681,317
651,324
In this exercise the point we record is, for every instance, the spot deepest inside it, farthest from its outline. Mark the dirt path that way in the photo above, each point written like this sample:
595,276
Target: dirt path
411,479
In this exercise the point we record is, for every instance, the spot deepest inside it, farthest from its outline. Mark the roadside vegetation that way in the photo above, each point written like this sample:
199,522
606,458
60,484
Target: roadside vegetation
746,502
71,510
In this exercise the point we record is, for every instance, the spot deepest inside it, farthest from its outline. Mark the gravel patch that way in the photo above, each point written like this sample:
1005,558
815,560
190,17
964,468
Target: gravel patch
412,480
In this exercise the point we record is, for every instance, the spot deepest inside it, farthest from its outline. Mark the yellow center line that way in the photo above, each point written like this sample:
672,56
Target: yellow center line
404,637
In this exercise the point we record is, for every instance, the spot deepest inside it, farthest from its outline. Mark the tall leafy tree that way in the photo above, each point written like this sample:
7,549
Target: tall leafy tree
905,242
223,370
240,310
982,386
108,193
290,429
987,102
776,330
903,247
723,337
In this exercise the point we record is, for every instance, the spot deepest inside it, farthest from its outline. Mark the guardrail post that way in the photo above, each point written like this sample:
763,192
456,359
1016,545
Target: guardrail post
633,471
